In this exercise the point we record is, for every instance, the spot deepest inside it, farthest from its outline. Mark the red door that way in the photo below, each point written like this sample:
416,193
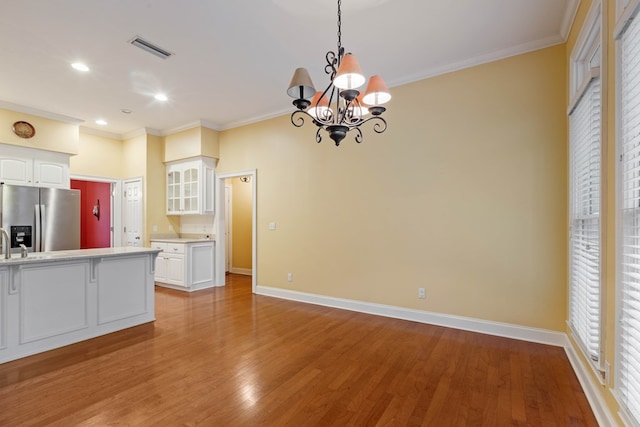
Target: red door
95,213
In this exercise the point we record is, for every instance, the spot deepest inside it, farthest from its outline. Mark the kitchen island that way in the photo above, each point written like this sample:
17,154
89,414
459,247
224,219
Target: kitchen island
52,299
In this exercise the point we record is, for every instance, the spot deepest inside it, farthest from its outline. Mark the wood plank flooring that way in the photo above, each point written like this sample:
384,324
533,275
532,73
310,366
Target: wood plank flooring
226,357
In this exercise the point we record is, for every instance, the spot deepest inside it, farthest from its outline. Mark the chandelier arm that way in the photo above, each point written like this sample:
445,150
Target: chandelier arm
332,64
378,127
297,118
358,137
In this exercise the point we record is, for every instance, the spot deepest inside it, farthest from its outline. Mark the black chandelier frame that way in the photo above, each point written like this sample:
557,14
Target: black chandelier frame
344,110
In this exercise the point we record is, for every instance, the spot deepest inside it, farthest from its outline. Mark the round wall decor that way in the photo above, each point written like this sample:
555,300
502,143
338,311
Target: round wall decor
24,129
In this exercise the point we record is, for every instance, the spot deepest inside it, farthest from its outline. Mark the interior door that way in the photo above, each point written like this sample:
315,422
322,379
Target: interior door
133,212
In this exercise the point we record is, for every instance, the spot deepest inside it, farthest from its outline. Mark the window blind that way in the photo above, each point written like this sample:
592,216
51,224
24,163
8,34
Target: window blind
628,379
584,211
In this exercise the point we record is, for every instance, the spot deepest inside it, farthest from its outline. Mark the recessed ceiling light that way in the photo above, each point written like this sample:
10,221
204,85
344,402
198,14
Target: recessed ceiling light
161,97
101,122
80,66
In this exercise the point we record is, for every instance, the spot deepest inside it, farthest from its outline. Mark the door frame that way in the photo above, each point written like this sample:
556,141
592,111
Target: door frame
116,204
228,232
220,257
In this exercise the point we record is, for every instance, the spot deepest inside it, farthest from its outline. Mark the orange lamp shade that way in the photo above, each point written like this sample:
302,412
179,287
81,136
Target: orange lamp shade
377,92
319,106
349,74
301,86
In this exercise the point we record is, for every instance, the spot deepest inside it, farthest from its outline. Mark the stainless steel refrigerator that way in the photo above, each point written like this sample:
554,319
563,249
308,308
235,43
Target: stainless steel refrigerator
42,219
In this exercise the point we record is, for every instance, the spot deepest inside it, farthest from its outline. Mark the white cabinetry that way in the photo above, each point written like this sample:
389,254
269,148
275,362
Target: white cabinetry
185,266
23,166
190,187
50,303
4,290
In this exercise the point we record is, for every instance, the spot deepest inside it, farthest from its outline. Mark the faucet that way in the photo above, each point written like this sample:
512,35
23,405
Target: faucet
7,249
23,251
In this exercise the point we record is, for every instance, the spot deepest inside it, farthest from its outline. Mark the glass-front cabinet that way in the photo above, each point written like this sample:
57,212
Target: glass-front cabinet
190,187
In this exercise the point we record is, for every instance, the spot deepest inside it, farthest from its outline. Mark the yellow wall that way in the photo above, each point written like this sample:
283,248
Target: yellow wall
241,223
155,189
465,195
98,156
197,141
50,135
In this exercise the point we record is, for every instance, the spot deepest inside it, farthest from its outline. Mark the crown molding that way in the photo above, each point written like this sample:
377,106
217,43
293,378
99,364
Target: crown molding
99,132
482,59
40,113
200,123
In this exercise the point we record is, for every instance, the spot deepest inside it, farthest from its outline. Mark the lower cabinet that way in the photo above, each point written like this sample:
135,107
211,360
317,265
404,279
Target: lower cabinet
184,266
45,305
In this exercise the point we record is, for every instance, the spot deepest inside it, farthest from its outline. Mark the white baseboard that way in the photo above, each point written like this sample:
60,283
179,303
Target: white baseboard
542,336
243,271
590,387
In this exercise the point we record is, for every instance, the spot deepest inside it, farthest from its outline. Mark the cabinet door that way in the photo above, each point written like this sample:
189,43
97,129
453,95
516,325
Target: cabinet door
16,170
174,193
161,268
175,269
207,190
50,174
190,189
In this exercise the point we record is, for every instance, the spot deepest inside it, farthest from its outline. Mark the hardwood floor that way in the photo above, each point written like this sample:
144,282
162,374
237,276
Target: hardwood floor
226,357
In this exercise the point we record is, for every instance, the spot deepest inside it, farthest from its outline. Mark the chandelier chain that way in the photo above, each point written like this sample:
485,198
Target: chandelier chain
339,31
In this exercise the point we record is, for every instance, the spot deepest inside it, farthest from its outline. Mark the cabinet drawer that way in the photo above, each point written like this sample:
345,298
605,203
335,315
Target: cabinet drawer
175,248
159,245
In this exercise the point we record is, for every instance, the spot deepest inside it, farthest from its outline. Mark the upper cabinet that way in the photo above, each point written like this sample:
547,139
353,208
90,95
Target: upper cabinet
190,186
20,166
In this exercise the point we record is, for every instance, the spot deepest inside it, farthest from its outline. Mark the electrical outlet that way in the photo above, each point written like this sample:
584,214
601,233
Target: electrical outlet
272,226
422,293
289,277
170,227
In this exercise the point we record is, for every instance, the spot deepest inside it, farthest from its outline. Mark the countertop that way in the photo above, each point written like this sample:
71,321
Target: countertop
35,257
182,240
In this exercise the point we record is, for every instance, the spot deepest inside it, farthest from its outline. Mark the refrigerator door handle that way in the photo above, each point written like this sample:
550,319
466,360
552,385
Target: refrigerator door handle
43,228
37,245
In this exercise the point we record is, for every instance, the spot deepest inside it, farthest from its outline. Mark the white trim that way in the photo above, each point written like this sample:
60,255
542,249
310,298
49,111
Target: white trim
40,113
542,336
594,73
99,132
625,17
200,123
506,330
219,279
243,271
481,59
590,387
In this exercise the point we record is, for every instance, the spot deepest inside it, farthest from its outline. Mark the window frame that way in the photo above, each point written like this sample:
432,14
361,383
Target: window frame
583,71
627,10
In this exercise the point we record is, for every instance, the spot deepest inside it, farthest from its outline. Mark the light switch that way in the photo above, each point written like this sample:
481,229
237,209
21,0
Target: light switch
272,226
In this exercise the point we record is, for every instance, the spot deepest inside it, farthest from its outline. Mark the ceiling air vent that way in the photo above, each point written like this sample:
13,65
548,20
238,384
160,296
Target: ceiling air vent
150,47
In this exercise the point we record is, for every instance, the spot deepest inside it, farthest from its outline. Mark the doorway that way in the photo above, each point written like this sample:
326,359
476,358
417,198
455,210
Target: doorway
98,225
250,176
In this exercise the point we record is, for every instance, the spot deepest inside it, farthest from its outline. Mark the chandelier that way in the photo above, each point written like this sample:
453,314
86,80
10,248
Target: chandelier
341,107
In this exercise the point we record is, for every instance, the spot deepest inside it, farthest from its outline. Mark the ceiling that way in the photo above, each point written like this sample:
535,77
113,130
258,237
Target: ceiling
233,60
